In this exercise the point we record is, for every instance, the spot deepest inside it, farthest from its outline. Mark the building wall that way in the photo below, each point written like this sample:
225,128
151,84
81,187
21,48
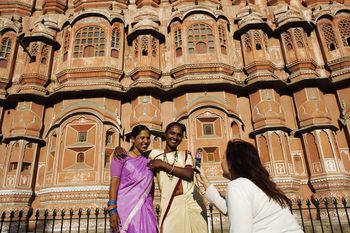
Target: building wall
76,76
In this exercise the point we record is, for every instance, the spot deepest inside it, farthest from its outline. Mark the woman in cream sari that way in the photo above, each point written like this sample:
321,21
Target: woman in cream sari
181,206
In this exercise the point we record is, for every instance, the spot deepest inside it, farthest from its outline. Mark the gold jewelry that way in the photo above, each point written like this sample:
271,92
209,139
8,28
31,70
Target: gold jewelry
165,158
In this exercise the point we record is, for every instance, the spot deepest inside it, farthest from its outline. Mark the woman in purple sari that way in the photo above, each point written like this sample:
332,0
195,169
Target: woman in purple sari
130,204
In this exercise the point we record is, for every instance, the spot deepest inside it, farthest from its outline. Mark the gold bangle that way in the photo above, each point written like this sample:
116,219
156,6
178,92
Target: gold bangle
172,169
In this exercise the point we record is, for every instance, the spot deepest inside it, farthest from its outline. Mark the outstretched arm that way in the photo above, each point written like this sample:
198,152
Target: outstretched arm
185,173
211,193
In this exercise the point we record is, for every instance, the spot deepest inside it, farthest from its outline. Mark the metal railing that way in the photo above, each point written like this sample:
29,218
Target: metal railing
314,216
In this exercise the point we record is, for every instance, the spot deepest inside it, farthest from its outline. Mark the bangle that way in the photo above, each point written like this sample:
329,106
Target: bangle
112,202
112,211
172,169
111,207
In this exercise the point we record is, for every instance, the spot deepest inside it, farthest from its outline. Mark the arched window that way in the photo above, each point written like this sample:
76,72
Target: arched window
5,51
80,158
44,54
154,47
89,42
329,37
344,28
287,40
66,45
299,38
136,47
222,38
178,42
246,42
257,40
200,39
34,52
144,46
115,42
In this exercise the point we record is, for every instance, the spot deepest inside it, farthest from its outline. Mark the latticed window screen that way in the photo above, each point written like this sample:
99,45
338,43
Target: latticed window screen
200,39
344,28
257,40
154,47
298,34
329,37
136,46
178,42
66,45
89,42
44,54
5,50
34,51
144,46
246,42
222,38
115,42
287,40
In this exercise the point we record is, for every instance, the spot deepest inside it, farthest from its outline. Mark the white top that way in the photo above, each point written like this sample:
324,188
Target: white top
250,210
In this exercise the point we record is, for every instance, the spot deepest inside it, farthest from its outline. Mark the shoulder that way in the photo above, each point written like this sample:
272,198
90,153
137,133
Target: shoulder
241,183
155,152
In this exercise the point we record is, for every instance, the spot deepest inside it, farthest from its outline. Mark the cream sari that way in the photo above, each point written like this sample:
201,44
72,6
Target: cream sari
184,213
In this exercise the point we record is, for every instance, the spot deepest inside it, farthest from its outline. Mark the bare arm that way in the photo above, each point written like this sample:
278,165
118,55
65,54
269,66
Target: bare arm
183,173
113,194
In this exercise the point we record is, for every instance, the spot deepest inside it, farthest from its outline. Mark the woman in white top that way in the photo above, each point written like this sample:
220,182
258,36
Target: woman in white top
253,202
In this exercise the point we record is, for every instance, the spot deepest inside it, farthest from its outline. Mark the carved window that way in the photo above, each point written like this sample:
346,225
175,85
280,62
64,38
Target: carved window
287,40
66,45
329,36
178,42
115,42
82,136
25,166
34,52
144,46
211,154
5,51
13,166
298,34
80,158
257,40
344,28
247,43
44,54
200,39
208,129
154,47
223,40
109,138
136,46
89,42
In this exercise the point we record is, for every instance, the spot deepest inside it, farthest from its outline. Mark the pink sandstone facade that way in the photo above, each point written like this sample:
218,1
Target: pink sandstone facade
76,76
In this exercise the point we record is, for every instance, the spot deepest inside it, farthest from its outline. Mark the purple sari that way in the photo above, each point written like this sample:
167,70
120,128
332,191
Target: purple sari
135,201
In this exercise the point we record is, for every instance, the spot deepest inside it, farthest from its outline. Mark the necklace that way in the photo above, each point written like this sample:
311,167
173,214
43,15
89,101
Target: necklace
165,158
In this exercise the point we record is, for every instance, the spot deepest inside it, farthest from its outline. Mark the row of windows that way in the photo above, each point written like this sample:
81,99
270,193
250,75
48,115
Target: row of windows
91,41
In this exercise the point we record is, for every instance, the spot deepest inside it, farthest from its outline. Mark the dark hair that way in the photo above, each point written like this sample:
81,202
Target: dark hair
172,124
136,131
243,161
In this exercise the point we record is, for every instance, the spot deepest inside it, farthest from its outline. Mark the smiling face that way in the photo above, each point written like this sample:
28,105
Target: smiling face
173,138
142,141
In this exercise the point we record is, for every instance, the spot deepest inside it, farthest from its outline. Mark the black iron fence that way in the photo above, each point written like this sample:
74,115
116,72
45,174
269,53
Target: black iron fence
314,216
